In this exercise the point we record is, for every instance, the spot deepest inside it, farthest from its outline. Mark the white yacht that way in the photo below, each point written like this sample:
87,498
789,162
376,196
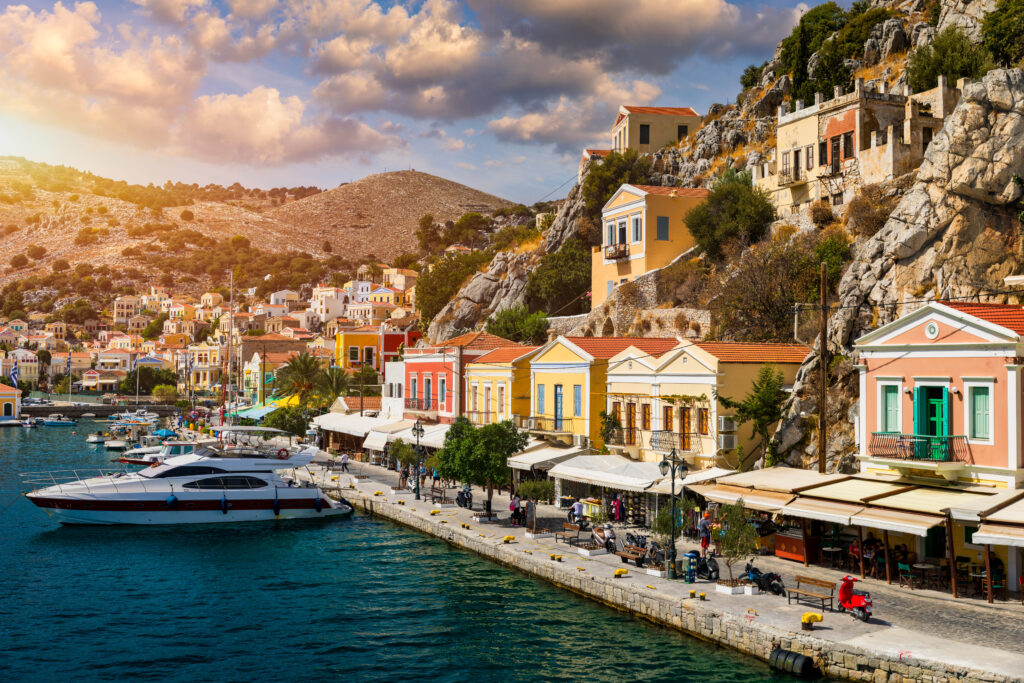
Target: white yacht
148,455
237,483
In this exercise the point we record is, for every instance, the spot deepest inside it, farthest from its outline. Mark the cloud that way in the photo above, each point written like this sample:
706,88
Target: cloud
251,9
467,166
171,11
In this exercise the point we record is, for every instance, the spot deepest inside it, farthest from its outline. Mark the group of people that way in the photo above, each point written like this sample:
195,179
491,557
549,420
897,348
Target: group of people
521,510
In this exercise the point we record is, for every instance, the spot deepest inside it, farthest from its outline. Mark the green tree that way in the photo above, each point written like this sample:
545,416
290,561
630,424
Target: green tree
739,537
291,419
558,284
60,265
148,379
155,327
733,210
298,377
44,357
366,380
1003,32
605,178
662,526
332,383
468,230
950,54
165,393
807,37
762,407
36,252
480,455
751,76
405,453
406,260
428,235
610,426
518,324
438,286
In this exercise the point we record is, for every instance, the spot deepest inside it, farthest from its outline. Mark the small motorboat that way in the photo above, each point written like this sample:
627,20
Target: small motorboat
31,422
151,455
58,420
116,444
96,437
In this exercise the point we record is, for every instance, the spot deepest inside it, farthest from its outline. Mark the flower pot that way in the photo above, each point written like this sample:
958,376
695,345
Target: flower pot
751,589
729,587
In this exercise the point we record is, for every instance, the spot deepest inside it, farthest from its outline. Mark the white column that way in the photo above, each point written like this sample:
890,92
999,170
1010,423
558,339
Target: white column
1012,416
1013,565
862,409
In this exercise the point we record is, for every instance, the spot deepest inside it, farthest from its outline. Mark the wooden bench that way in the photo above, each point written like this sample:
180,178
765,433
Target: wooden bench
632,553
570,533
440,495
825,591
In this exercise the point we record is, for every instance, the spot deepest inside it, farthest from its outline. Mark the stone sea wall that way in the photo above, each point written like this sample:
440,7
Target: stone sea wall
699,619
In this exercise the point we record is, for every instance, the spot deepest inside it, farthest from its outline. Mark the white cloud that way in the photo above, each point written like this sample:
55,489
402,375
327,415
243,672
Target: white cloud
453,145
251,9
467,166
172,11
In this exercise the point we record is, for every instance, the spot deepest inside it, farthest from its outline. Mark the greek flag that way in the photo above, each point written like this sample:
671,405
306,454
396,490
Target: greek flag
68,369
135,363
14,374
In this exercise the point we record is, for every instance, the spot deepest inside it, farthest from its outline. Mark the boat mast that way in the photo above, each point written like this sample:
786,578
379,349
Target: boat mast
231,336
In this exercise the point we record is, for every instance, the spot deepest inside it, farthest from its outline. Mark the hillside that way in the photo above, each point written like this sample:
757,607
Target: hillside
378,214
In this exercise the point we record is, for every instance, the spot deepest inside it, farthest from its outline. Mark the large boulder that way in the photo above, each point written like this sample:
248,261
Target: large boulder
966,15
953,234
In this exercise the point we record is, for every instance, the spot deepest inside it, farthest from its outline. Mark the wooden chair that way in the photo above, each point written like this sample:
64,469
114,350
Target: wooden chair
907,577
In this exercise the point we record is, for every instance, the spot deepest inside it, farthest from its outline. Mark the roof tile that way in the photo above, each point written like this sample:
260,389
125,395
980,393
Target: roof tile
671,111
506,354
743,352
606,347
678,191
1010,317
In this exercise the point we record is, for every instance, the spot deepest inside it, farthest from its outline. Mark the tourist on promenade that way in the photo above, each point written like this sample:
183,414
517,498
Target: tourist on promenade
576,511
617,508
344,462
516,509
704,532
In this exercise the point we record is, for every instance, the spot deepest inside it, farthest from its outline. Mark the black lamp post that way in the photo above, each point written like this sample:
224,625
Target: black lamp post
672,463
417,430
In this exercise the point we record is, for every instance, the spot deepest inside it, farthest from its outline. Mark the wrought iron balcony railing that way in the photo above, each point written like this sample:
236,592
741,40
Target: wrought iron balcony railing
616,251
420,404
664,440
921,447
550,425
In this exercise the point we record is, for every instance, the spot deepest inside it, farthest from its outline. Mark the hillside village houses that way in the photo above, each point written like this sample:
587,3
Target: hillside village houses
826,150
648,129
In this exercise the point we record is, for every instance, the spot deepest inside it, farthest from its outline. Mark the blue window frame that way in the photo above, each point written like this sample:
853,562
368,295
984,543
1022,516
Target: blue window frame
663,228
540,399
577,400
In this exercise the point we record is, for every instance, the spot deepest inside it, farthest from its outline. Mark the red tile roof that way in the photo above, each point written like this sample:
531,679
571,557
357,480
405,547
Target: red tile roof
677,191
742,352
478,341
506,354
588,152
1010,317
606,347
369,402
670,111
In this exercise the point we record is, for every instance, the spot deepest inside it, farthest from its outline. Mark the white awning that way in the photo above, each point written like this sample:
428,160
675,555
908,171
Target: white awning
375,441
665,486
432,437
998,534
822,510
765,501
354,425
542,457
610,471
893,520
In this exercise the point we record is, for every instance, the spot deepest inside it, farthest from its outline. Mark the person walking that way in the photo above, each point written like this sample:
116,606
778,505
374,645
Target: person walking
344,461
704,532
617,508
515,507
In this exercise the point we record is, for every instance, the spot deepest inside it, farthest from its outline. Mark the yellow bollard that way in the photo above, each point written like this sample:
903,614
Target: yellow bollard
703,596
693,594
809,619
619,573
509,538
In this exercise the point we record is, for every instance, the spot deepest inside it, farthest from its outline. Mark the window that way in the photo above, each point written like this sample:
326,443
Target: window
226,483
822,153
617,412
184,471
637,229
353,354
796,163
980,413
501,400
663,228
645,416
702,417
622,232
577,400
837,199
682,132
809,153
472,398
610,229
442,390
847,145
8,410
412,386
645,134
540,399
889,417
368,355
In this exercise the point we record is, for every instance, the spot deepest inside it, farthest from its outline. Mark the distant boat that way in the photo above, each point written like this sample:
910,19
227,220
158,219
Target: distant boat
96,437
57,420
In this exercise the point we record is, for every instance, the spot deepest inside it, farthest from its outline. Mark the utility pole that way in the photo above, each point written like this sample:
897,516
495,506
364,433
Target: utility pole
231,334
823,365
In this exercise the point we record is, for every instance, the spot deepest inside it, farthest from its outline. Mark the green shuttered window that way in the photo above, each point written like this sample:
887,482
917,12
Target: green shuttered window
980,411
890,408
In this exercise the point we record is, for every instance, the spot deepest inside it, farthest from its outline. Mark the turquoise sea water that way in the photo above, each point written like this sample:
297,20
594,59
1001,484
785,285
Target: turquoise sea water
354,599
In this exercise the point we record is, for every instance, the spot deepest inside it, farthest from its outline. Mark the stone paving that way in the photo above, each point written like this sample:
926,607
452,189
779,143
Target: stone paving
919,623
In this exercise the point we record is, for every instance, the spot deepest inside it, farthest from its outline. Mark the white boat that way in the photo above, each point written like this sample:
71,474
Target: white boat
116,444
213,484
58,420
96,437
140,415
148,455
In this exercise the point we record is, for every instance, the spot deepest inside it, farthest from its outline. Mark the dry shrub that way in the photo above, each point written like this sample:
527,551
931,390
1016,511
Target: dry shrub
784,232
868,211
682,281
821,214
695,328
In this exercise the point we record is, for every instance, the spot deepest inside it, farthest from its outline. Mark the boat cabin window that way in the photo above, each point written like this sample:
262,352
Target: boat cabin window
227,483
187,471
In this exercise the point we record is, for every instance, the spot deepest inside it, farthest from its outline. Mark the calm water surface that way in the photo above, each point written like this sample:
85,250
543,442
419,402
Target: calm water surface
357,599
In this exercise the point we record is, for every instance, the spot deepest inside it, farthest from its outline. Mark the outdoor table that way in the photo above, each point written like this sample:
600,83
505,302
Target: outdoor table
924,568
979,579
833,553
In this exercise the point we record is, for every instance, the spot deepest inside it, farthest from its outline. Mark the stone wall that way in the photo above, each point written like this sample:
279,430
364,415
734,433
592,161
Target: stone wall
835,660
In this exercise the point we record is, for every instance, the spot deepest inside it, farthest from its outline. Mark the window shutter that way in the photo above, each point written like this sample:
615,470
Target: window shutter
663,228
891,409
920,410
947,413
540,399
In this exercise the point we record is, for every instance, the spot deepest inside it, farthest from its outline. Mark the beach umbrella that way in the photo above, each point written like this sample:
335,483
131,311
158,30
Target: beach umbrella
165,433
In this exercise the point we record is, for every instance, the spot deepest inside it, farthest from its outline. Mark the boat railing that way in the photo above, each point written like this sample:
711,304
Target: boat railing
58,478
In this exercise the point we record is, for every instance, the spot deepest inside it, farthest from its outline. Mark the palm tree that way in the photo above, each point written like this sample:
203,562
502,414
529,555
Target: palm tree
298,377
332,383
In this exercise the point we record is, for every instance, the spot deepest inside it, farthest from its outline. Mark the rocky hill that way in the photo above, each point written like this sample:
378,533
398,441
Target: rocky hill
378,214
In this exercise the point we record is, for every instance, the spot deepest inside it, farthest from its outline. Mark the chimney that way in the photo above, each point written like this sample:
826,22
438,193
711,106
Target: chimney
818,97
858,85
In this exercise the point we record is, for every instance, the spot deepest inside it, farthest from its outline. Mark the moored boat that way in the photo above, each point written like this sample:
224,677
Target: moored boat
96,437
58,420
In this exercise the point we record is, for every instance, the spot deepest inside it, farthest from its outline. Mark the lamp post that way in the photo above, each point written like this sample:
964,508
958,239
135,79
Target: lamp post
417,430
672,464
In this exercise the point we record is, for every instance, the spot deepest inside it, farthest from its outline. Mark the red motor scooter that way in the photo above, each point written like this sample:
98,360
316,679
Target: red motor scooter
858,602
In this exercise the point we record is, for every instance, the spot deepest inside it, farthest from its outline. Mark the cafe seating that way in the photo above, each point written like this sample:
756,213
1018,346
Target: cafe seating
906,576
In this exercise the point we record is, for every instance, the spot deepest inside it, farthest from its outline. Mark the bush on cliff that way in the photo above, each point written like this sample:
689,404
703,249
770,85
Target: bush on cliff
1003,31
559,283
952,55
734,210
606,177
441,283
519,325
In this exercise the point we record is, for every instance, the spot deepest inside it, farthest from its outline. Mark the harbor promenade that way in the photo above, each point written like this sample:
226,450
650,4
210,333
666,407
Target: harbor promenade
914,635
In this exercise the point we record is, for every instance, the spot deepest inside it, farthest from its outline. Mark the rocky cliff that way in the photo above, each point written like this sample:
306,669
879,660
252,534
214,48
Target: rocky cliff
956,233
966,15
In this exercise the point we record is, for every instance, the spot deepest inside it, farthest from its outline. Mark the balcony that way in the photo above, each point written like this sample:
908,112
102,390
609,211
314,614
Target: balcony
936,449
616,251
664,440
546,425
421,405
480,417
790,177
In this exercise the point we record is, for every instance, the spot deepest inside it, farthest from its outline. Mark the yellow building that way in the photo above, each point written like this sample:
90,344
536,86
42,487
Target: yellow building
643,230
10,402
668,400
498,385
648,129
567,377
207,364
354,348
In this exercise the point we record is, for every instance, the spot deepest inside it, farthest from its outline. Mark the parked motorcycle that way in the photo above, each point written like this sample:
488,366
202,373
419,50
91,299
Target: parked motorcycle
766,582
707,567
638,540
464,498
858,602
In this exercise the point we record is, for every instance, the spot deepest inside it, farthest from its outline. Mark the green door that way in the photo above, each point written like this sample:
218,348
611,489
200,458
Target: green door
937,423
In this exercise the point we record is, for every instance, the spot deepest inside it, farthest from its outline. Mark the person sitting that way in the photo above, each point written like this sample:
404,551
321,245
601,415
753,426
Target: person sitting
853,553
576,512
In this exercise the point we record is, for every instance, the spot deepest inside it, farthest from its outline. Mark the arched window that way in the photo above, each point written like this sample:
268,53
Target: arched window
8,409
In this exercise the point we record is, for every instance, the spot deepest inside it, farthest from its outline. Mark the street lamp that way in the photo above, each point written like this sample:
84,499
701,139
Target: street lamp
672,463
417,431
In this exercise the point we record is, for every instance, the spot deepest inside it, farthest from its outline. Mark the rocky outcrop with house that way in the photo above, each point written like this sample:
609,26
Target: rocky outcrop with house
955,233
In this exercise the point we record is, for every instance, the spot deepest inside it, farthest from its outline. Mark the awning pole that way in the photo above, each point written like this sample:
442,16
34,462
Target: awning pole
951,553
803,530
888,564
988,572
860,543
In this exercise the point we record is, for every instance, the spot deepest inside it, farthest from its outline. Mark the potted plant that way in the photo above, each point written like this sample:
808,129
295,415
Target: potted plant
739,540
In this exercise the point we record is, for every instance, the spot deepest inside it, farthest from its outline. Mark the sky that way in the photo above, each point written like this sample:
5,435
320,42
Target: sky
501,95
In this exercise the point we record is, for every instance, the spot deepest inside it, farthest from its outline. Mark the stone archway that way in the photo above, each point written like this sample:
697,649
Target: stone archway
609,328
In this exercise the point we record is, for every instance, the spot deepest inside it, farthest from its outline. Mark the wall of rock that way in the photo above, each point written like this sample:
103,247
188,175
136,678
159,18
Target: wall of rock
955,234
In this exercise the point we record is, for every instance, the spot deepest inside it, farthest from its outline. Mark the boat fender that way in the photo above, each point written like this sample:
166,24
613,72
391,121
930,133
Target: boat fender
277,507
791,662
172,501
318,504
224,504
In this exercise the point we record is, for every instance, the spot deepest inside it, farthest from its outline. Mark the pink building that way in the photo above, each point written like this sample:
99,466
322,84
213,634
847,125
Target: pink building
941,395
